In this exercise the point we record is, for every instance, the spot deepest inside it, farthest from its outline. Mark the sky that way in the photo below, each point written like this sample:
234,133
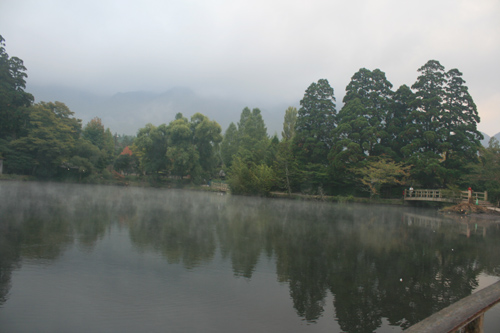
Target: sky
259,51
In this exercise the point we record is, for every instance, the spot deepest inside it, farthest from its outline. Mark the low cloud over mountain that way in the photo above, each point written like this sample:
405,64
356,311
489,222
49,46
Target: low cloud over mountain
125,113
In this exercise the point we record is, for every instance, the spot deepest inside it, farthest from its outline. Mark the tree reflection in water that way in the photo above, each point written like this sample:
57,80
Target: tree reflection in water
377,262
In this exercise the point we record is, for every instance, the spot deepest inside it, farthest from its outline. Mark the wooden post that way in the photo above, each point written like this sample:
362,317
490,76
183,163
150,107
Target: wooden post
475,326
485,195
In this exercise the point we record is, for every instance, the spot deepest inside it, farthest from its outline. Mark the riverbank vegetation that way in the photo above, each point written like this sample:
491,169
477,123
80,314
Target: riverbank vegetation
379,142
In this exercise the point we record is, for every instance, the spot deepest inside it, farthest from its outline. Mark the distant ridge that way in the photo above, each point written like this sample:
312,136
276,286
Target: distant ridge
486,140
126,112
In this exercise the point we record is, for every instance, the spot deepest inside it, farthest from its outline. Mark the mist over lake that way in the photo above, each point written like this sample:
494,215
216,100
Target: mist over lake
84,258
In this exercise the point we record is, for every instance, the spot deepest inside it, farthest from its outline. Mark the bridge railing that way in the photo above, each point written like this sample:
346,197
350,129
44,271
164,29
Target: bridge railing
444,195
423,194
466,314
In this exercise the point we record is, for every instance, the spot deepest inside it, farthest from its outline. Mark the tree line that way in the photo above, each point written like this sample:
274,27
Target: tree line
379,141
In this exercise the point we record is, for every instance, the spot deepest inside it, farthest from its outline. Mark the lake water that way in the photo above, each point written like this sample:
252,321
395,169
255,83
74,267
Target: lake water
77,258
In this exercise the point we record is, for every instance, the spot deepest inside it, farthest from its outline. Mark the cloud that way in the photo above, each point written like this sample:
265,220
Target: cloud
261,50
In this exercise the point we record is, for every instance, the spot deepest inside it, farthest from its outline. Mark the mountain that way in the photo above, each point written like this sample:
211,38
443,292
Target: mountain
487,138
125,113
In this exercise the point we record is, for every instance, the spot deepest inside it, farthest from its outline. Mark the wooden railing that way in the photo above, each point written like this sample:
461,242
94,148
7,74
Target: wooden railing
425,195
438,195
466,314
480,196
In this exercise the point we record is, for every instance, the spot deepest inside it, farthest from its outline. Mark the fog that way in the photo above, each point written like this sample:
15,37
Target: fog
88,257
261,53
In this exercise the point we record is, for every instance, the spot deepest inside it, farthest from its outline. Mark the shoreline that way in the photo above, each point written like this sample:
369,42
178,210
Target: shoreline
488,214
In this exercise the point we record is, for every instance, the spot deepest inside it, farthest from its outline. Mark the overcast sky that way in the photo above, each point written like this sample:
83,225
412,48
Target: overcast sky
259,51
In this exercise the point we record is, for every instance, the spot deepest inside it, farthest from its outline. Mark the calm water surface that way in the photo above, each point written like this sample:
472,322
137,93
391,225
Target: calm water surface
79,258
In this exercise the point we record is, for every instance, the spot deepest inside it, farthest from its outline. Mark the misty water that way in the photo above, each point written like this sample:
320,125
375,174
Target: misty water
83,258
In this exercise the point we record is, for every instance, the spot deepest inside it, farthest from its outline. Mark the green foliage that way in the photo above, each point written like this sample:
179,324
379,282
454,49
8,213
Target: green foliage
286,168
382,171
14,101
432,126
315,123
442,127
182,149
250,178
289,123
229,145
181,153
398,127
354,136
16,161
86,149
252,136
126,163
285,164
150,147
51,137
362,122
96,134
452,192
81,165
314,178
249,146
206,139
313,139
485,175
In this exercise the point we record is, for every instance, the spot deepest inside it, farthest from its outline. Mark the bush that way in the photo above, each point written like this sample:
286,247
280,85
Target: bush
248,178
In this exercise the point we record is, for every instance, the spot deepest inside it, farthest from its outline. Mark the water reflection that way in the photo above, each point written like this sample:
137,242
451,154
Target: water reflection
378,263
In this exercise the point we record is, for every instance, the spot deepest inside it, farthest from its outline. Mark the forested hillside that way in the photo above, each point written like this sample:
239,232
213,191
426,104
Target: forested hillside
381,140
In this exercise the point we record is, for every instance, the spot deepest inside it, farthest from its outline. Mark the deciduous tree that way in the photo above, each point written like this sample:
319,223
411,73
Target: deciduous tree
184,158
102,138
150,147
51,137
382,171
206,138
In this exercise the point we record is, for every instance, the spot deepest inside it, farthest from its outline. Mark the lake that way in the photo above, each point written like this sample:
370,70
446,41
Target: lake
85,258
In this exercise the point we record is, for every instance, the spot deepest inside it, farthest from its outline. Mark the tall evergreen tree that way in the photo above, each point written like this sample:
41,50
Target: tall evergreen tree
289,124
229,145
461,119
250,170
315,123
252,135
313,139
363,119
285,164
430,96
14,101
444,126
398,122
